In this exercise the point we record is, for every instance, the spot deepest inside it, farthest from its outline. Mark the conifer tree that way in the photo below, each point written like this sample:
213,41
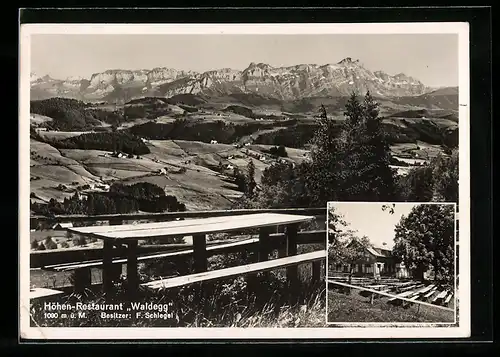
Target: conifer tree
363,159
250,179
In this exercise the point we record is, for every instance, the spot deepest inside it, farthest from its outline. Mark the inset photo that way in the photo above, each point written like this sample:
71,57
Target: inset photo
392,263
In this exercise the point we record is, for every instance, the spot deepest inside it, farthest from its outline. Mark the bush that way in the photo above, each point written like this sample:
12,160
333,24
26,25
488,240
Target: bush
34,245
64,245
278,151
49,243
78,241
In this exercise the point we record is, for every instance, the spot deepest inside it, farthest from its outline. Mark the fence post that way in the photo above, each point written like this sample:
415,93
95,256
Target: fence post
316,271
132,273
292,271
107,266
115,222
200,253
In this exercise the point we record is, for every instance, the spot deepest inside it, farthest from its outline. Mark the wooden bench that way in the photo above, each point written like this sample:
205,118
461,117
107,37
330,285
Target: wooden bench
448,298
402,295
198,229
430,293
439,296
426,289
235,271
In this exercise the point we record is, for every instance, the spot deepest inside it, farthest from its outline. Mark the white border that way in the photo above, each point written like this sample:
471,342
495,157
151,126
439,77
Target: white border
100,333
398,324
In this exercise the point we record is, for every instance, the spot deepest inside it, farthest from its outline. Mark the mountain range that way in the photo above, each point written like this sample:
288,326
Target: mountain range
282,83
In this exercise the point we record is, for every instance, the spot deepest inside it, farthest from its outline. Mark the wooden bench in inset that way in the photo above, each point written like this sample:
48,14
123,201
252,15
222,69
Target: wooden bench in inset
439,296
430,293
396,298
236,271
448,298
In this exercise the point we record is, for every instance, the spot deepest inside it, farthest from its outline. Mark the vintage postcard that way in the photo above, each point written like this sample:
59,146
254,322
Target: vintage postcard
183,179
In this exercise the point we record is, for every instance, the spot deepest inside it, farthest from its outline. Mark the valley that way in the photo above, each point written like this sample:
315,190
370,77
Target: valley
192,134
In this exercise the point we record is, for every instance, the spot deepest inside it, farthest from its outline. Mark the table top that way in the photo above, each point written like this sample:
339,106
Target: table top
190,226
43,292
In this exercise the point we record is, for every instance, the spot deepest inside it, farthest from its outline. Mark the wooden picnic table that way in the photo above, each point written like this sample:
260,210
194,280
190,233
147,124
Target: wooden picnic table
130,234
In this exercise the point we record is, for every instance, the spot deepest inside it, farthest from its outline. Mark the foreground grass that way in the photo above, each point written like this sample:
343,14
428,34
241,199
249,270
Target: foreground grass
354,307
262,300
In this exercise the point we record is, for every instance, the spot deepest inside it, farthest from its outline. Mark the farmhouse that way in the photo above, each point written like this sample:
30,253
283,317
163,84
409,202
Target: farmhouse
377,262
62,226
213,141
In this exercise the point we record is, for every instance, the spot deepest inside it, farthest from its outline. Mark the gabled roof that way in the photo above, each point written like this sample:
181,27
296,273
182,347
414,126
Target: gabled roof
383,251
374,252
63,225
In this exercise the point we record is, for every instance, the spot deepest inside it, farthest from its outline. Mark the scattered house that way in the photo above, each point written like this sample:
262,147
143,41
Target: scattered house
40,129
247,144
262,158
230,157
162,171
62,226
230,167
213,141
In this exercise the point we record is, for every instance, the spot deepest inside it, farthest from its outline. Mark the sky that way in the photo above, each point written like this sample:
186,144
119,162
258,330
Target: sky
430,58
369,220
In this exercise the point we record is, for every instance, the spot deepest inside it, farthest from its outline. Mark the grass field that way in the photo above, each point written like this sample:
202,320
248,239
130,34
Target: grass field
357,308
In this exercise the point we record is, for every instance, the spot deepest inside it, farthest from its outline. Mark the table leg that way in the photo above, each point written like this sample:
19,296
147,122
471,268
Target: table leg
263,244
83,279
132,271
107,267
200,253
292,271
316,271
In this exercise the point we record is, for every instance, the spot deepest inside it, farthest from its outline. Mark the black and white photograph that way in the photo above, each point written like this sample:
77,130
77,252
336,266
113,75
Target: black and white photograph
392,263
182,176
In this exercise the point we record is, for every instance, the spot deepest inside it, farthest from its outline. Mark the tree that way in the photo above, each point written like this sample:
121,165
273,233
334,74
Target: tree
436,182
418,185
364,154
445,172
34,244
250,179
425,239
49,243
344,246
320,174
79,240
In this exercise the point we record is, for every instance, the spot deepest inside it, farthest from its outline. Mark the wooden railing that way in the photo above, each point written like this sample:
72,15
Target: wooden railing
165,216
